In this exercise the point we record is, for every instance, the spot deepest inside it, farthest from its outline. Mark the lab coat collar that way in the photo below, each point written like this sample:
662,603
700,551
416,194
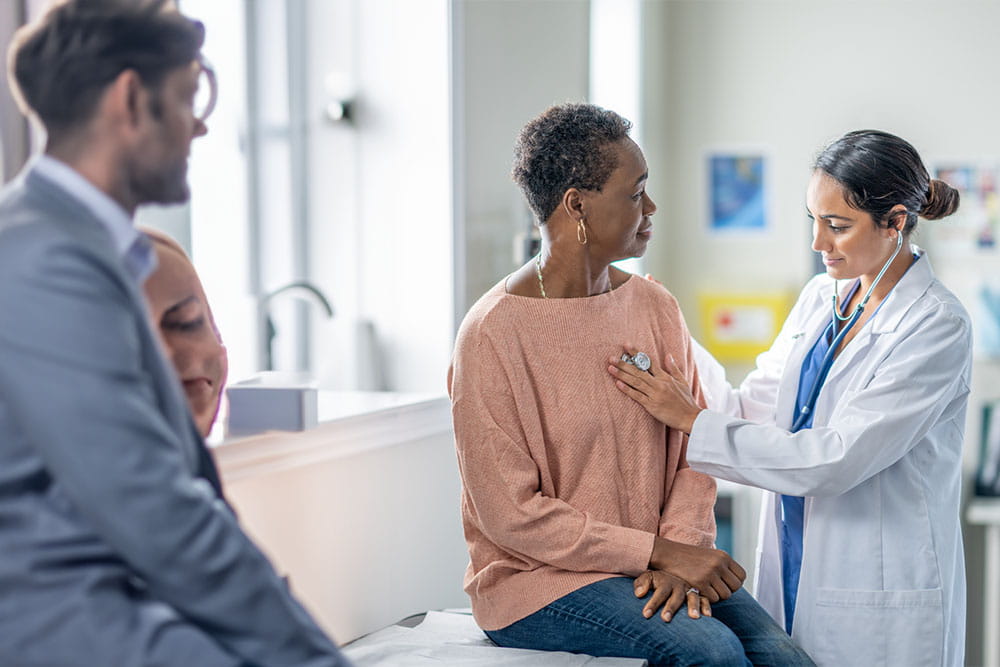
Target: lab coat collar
911,286
907,291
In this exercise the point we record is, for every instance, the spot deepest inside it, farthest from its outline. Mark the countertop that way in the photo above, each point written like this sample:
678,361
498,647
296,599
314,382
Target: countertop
350,422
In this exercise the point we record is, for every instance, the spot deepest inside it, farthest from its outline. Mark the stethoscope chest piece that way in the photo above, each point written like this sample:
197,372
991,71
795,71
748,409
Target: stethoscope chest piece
640,360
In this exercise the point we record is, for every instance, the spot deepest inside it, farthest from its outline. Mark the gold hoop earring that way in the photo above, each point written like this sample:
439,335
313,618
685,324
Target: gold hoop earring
581,233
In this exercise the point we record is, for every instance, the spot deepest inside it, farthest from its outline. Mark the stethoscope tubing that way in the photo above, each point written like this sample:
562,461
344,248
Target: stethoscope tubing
824,370
868,294
828,358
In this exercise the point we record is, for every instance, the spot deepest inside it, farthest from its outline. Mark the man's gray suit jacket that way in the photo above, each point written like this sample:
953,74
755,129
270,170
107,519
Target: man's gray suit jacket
116,547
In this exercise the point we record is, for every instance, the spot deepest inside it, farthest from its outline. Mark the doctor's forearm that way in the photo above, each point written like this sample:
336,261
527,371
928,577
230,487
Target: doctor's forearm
814,462
687,425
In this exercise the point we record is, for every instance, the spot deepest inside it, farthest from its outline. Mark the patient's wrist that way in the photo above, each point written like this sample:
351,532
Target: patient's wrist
660,556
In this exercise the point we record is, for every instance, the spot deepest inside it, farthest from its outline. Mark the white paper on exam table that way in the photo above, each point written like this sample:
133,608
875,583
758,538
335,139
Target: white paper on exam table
450,638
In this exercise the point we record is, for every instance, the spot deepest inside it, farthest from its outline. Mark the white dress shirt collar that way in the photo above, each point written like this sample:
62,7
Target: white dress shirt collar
130,243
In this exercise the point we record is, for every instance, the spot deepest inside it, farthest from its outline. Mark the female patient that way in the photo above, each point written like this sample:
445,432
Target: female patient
180,313
576,503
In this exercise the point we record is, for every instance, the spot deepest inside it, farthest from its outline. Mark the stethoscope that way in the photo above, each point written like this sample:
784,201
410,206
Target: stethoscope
851,320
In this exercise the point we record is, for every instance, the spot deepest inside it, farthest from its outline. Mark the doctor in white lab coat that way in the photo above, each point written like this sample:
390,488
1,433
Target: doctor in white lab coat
880,575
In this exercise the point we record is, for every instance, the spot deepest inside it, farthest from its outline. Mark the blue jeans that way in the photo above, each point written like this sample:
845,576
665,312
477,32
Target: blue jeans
605,619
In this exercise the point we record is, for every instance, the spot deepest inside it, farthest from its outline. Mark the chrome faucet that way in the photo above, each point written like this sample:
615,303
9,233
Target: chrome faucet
301,289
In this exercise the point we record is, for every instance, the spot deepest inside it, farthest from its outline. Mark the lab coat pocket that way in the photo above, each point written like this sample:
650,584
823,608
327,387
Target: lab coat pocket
878,627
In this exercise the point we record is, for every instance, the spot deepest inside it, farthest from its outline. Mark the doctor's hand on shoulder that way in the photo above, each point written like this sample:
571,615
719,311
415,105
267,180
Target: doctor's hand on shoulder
664,392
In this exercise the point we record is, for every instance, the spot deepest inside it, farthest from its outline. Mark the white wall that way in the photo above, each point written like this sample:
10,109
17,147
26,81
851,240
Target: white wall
789,76
380,191
518,57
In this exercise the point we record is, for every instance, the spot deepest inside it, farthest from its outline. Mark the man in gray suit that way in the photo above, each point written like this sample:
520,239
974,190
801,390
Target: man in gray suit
116,545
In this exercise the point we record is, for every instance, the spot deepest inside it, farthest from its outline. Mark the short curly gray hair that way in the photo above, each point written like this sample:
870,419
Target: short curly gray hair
568,146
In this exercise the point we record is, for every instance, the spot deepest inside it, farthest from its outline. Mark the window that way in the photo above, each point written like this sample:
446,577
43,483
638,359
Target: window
359,207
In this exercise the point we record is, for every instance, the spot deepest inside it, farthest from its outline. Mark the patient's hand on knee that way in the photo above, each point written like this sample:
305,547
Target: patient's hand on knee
712,571
671,593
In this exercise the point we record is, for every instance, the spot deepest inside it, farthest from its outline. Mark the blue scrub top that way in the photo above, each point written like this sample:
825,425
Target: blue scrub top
792,507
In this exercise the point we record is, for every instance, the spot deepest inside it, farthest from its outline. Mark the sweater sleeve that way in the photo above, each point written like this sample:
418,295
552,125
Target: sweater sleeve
502,479
688,514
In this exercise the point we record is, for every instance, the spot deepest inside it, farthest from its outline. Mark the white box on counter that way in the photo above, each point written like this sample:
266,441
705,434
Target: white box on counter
271,401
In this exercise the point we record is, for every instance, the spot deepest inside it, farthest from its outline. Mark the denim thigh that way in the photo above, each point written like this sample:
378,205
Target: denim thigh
764,641
605,619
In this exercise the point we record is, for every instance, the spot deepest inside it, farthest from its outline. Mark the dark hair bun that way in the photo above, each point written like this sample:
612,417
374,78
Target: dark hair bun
942,201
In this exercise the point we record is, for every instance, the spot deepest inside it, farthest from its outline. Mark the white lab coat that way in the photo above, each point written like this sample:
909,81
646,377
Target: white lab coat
883,574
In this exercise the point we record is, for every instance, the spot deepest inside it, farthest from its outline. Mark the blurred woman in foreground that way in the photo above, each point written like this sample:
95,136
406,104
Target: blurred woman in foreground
181,315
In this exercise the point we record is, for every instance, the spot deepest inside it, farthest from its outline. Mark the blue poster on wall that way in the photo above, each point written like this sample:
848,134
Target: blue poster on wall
736,193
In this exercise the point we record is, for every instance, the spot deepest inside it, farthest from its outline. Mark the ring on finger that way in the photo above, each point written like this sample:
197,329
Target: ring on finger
693,590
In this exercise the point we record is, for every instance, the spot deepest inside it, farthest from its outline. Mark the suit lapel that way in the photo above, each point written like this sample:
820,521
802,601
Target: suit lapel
173,401
206,462
87,230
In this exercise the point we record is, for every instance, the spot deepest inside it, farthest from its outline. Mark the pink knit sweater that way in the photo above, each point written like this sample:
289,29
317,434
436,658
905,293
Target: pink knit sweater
565,480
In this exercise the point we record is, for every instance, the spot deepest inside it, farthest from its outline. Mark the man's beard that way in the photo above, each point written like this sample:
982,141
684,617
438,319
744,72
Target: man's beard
166,185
